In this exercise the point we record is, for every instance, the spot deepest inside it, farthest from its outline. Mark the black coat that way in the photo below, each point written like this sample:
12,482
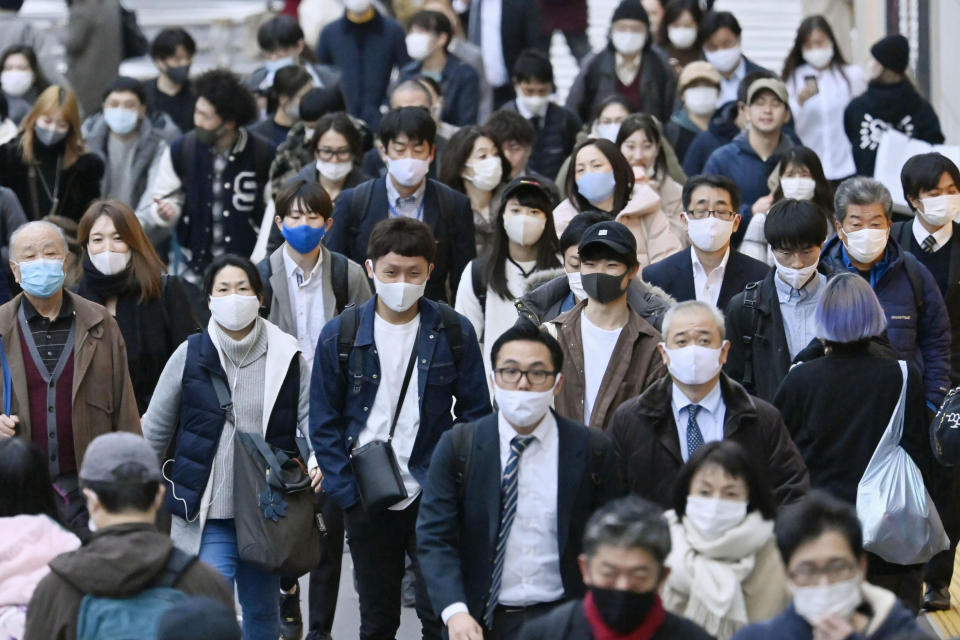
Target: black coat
556,138
568,622
674,274
456,535
520,28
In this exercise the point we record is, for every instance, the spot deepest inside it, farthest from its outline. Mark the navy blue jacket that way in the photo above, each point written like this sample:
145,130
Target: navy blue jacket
453,230
899,623
460,84
456,538
366,54
339,412
923,339
674,274
556,137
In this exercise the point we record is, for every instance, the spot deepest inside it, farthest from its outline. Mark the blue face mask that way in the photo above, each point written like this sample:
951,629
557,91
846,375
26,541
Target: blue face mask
41,278
276,65
121,121
596,187
304,238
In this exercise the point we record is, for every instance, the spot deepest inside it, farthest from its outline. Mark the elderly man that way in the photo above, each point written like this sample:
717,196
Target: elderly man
656,432
67,362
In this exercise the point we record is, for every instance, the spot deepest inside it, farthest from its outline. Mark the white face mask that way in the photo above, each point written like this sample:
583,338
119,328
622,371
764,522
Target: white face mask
524,229
865,245
693,364
709,234
523,408
234,312
356,6
724,60
576,285
701,101
334,171
398,296
940,210
816,602
110,262
536,105
608,131
798,188
796,278
818,58
487,173
418,45
682,37
628,42
408,172
713,517
16,82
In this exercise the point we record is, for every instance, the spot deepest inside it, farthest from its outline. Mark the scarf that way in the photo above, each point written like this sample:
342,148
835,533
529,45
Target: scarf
717,566
651,624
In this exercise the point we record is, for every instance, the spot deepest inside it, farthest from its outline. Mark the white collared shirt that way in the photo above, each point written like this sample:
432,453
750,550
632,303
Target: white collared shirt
710,418
729,86
491,42
941,235
407,207
306,302
708,285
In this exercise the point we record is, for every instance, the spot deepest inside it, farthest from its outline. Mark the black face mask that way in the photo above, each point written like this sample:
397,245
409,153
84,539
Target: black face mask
207,136
623,611
603,287
179,74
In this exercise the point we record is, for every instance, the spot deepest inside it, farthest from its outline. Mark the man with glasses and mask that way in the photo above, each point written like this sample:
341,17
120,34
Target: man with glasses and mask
711,271
602,325
533,477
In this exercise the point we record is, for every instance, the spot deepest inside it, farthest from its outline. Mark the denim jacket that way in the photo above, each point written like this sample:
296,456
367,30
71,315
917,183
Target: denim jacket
340,405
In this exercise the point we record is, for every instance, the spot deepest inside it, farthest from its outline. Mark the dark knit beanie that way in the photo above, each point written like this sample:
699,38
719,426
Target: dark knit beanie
11,5
631,10
893,52
198,618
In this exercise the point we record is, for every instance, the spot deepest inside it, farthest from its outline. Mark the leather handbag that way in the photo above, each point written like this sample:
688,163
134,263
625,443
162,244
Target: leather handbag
374,464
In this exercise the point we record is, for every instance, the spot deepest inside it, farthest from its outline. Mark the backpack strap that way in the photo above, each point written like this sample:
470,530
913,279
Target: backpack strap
903,234
478,268
750,295
338,275
598,451
177,563
462,435
912,266
451,325
358,208
265,272
349,324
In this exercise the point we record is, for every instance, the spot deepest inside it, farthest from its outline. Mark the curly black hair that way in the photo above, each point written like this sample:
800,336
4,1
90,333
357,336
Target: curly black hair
231,99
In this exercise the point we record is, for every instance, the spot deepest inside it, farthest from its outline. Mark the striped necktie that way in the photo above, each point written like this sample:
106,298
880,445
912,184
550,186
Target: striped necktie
508,511
929,244
694,435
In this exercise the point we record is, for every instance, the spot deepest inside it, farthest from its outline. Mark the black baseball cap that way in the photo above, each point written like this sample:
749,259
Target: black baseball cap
531,187
611,234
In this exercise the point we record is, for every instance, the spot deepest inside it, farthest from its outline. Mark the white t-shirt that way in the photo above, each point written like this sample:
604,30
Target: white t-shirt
394,343
598,345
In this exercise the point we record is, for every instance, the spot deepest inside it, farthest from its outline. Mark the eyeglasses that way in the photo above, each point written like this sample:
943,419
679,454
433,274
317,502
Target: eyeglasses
835,571
327,154
512,375
700,214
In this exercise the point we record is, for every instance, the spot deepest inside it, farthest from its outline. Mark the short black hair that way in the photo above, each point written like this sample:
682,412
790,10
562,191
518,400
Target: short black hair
414,122
815,514
795,224
125,494
734,459
526,331
744,87
578,224
279,32
25,486
230,98
403,236
509,126
309,193
533,65
922,173
711,180
126,84
319,101
434,22
166,43
231,260
287,82
342,124
716,20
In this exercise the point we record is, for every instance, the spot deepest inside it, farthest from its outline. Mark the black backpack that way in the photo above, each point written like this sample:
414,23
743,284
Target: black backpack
338,274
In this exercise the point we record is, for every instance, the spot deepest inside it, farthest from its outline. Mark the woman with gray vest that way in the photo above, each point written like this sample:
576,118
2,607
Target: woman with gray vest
268,382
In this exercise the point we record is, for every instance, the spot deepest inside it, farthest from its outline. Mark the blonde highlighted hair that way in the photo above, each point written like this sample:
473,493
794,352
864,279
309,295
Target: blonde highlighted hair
54,98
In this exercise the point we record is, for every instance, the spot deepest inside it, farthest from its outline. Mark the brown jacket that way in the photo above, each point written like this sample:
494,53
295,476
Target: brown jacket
634,366
103,399
645,436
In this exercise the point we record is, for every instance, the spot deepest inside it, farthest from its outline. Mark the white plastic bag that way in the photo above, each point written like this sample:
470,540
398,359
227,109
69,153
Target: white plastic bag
900,522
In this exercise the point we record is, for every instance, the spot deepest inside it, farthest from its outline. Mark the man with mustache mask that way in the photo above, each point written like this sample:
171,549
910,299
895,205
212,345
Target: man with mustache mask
624,550
559,470
918,325
602,325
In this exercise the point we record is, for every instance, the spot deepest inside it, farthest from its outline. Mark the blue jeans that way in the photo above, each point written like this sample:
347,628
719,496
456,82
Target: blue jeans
257,590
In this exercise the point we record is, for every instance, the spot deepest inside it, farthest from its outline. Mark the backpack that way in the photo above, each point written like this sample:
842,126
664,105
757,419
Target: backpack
478,280
136,617
338,275
912,267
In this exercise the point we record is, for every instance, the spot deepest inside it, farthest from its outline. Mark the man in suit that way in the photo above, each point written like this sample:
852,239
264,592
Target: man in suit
711,271
407,138
507,496
656,432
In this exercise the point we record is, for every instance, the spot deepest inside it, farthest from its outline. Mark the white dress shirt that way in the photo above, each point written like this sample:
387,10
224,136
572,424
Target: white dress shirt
707,285
941,235
710,417
729,86
491,42
306,303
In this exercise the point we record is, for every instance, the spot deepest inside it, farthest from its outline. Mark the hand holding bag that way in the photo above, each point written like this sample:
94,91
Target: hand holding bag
900,522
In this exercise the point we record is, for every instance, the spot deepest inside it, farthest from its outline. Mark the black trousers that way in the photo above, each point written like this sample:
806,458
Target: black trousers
378,545
905,581
946,495
508,621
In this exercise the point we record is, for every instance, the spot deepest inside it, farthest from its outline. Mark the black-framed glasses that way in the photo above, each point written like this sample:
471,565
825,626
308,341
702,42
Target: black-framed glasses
835,571
700,214
512,375
327,154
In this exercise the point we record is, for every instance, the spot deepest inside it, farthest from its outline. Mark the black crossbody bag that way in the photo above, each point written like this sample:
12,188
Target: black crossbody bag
375,466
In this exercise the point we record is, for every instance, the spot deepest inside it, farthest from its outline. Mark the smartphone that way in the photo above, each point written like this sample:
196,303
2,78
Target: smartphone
811,83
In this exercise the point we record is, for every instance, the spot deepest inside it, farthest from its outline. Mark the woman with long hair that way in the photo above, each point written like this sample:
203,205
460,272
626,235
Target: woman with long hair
21,79
122,272
47,165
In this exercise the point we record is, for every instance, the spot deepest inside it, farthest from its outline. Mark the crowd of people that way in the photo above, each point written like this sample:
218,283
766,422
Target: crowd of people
618,368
